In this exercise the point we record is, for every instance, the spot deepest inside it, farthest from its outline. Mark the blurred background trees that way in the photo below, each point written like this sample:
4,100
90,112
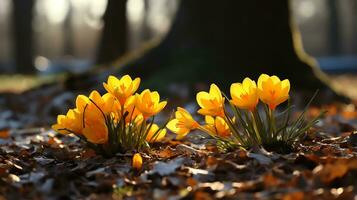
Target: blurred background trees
22,35
113,42
200,41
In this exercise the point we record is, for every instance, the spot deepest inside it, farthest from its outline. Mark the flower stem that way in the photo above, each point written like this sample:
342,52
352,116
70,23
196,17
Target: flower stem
202,128
272,123
257,125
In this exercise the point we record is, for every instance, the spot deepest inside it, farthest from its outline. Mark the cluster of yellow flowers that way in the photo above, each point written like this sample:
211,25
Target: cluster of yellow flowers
270,90
119,119
245,96
116,117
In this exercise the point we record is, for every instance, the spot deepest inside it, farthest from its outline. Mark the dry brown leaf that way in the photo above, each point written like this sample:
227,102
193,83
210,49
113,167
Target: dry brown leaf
166,153
270,180
4,134
246,185
242,154
211,148
54,142
191,182
335,169
331,109
313,158
199,195
294,196
349,114
88,153
3,170
211,161
174,142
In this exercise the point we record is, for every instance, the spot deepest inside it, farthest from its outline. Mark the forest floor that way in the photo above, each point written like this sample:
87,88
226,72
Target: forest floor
37,163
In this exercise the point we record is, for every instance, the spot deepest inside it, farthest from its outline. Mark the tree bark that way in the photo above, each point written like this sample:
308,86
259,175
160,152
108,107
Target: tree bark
68,47
22,31
334,34
114,36
225,41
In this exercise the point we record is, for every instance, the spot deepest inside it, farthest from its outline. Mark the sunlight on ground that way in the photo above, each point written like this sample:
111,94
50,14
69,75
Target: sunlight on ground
346,83
21,83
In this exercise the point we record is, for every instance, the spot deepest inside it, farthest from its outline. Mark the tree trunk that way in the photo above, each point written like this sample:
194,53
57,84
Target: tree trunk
68,46
225,41
114,36
22,30
334,35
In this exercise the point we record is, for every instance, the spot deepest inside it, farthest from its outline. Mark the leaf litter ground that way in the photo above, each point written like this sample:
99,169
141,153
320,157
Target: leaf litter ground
36,163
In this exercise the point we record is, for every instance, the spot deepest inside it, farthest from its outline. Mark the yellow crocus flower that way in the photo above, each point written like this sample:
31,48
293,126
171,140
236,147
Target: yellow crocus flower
182,124
148,103
272,91
133,114
211,102
137,162
245,95
217,126
99,107
151,137
107,103
122,88
72,122
95,129
81,103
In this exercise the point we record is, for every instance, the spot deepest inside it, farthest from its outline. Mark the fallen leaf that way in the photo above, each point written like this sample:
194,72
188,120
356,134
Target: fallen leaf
185,149
43,161
164,168
199,195
13,178
270,180
294,196
264,160
4,134
335,169
211,161
191,182
98,171
197,171
54,142
3,170
88,153
166,153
